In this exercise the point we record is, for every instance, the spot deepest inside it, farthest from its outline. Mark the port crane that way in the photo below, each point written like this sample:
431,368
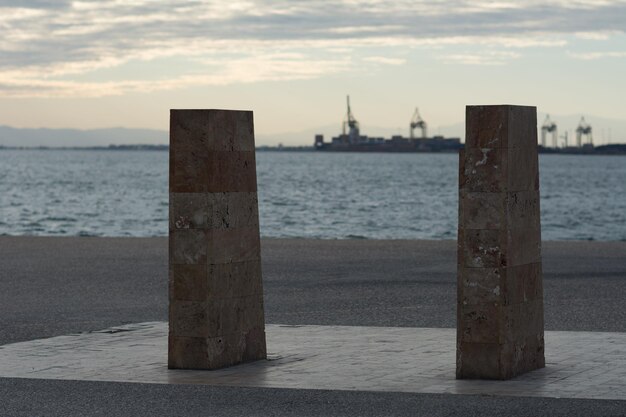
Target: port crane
417,121
352,124
549,127
583,128
564,137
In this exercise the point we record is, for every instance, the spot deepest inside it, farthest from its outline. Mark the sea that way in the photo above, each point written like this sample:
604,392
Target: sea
301,195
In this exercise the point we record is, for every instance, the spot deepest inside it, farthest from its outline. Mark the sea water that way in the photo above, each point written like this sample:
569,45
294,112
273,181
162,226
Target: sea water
301,194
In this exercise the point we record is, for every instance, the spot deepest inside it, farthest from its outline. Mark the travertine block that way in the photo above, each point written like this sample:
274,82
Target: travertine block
481,286
483,248
188,282
500,295
188,246
500,126
524,246
485,170
482,210
480,323
191,211
216,295
231,171
235,279
191,319
234,245
234,210
523,170
215,352
523,206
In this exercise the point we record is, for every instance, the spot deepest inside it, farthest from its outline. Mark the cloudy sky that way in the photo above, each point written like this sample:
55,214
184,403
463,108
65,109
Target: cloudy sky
87,64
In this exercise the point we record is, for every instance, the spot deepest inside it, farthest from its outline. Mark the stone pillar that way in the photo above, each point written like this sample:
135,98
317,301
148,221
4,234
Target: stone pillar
215,289
499,293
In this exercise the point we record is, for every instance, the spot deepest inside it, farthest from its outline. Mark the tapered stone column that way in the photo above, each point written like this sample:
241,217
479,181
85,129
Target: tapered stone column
215,290
500,295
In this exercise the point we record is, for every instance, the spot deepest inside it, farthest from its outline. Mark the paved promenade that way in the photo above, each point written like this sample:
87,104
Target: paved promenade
382,359
55,287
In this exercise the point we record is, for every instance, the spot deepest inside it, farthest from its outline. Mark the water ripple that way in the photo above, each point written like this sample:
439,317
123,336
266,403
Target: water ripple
304,195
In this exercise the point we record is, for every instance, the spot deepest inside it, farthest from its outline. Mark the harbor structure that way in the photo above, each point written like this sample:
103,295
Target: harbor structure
549,127
351,140
584,130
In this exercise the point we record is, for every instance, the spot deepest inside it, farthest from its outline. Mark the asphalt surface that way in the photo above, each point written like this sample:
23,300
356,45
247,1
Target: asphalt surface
52,286
79,399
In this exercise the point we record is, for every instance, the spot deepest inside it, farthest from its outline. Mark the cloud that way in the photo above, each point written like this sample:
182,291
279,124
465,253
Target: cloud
588,56
594,36
250,69
483,58
385,60
63,48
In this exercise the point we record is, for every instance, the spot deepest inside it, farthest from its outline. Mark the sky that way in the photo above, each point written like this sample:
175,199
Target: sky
94,64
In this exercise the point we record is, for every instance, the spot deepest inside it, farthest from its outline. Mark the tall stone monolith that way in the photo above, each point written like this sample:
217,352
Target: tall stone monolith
215,289
500,294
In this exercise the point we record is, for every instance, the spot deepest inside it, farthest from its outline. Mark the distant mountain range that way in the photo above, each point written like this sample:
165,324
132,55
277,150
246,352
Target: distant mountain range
10,136
604,131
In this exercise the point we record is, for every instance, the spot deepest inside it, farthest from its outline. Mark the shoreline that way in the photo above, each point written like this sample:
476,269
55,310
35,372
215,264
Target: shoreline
298,239
614,149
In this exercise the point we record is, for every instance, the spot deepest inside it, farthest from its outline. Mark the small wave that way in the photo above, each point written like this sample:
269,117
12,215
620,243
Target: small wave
59,219
84,233
357,237
91,215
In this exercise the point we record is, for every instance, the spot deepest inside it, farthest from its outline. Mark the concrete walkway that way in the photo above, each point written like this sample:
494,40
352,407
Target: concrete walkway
385,359
60,287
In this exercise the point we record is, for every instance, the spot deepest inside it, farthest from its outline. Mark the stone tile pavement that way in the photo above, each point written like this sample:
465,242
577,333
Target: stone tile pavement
420,360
